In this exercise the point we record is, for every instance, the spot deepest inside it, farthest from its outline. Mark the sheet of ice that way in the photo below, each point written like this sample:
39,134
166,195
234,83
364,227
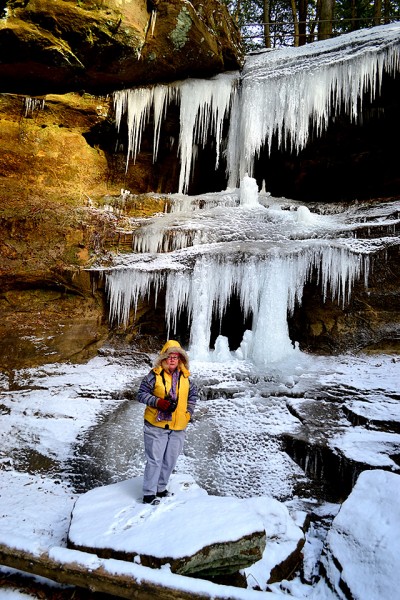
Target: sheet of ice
55,402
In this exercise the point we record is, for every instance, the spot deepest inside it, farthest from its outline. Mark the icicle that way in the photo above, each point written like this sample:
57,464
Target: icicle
32,104
204,104
153,19
125,288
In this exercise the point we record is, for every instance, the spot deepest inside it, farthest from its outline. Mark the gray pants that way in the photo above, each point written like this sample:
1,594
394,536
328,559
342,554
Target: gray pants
162,448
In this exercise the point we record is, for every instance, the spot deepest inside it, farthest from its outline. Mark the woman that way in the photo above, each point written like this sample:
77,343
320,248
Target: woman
170,397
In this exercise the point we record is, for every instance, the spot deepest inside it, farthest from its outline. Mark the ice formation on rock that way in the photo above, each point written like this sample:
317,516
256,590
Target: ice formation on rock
279,93
204,105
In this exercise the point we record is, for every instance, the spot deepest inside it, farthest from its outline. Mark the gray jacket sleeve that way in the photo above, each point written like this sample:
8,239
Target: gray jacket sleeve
145,394
192,397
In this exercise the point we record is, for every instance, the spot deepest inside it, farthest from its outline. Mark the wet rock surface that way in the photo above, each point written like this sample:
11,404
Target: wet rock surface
333,445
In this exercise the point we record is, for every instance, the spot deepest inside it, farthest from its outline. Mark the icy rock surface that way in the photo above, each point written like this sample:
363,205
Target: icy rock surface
362,550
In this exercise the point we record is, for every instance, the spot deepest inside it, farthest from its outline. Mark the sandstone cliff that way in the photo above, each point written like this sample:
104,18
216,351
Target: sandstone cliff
59,60
61,159
59,46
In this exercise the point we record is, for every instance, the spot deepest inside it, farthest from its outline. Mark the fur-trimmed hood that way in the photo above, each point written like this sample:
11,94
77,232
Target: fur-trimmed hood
170,347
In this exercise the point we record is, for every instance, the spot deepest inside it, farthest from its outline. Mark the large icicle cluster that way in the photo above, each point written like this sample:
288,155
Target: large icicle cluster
204,104
282,92
268,288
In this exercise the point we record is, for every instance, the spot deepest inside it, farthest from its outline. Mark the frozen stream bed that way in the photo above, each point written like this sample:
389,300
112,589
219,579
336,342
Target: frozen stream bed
68,428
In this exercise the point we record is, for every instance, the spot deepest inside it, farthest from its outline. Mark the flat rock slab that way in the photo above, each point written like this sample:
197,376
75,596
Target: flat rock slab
192,532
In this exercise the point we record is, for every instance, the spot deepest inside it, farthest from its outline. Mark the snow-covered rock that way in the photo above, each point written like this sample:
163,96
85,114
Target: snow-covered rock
190,531
362,552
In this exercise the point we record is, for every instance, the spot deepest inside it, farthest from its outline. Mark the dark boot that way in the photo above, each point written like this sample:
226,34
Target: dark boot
150,500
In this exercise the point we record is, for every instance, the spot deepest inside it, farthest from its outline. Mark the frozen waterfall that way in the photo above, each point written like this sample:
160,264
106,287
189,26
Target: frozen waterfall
234,287
284,92
240,256
268,282
280,93
204,105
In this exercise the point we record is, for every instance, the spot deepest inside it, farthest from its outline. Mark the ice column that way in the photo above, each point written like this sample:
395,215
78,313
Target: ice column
205,104
248,191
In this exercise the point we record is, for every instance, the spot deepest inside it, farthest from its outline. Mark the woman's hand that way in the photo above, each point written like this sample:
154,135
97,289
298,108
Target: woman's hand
163,404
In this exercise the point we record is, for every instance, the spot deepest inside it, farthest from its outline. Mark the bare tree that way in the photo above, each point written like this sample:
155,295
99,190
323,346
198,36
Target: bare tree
303,5
295,22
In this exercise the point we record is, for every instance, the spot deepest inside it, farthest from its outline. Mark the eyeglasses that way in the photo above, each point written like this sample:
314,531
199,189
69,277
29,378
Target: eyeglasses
173,357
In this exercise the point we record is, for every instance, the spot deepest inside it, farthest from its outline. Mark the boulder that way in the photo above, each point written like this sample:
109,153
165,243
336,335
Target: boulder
361,556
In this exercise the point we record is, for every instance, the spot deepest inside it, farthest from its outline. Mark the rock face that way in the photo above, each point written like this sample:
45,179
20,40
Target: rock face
58,46
48,231
54,169
370,321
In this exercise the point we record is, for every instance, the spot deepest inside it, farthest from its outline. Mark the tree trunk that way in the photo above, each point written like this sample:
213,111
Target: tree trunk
387,11
111,577
302,22
266,18
377,12
354,22
325,20
295,22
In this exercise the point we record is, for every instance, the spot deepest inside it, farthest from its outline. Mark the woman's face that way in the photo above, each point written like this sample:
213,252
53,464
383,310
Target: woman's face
172,362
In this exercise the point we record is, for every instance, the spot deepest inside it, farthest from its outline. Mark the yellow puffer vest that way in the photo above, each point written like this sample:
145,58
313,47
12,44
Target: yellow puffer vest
180,417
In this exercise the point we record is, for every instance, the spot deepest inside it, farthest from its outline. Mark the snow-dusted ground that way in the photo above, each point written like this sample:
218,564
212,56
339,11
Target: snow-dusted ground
232,448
